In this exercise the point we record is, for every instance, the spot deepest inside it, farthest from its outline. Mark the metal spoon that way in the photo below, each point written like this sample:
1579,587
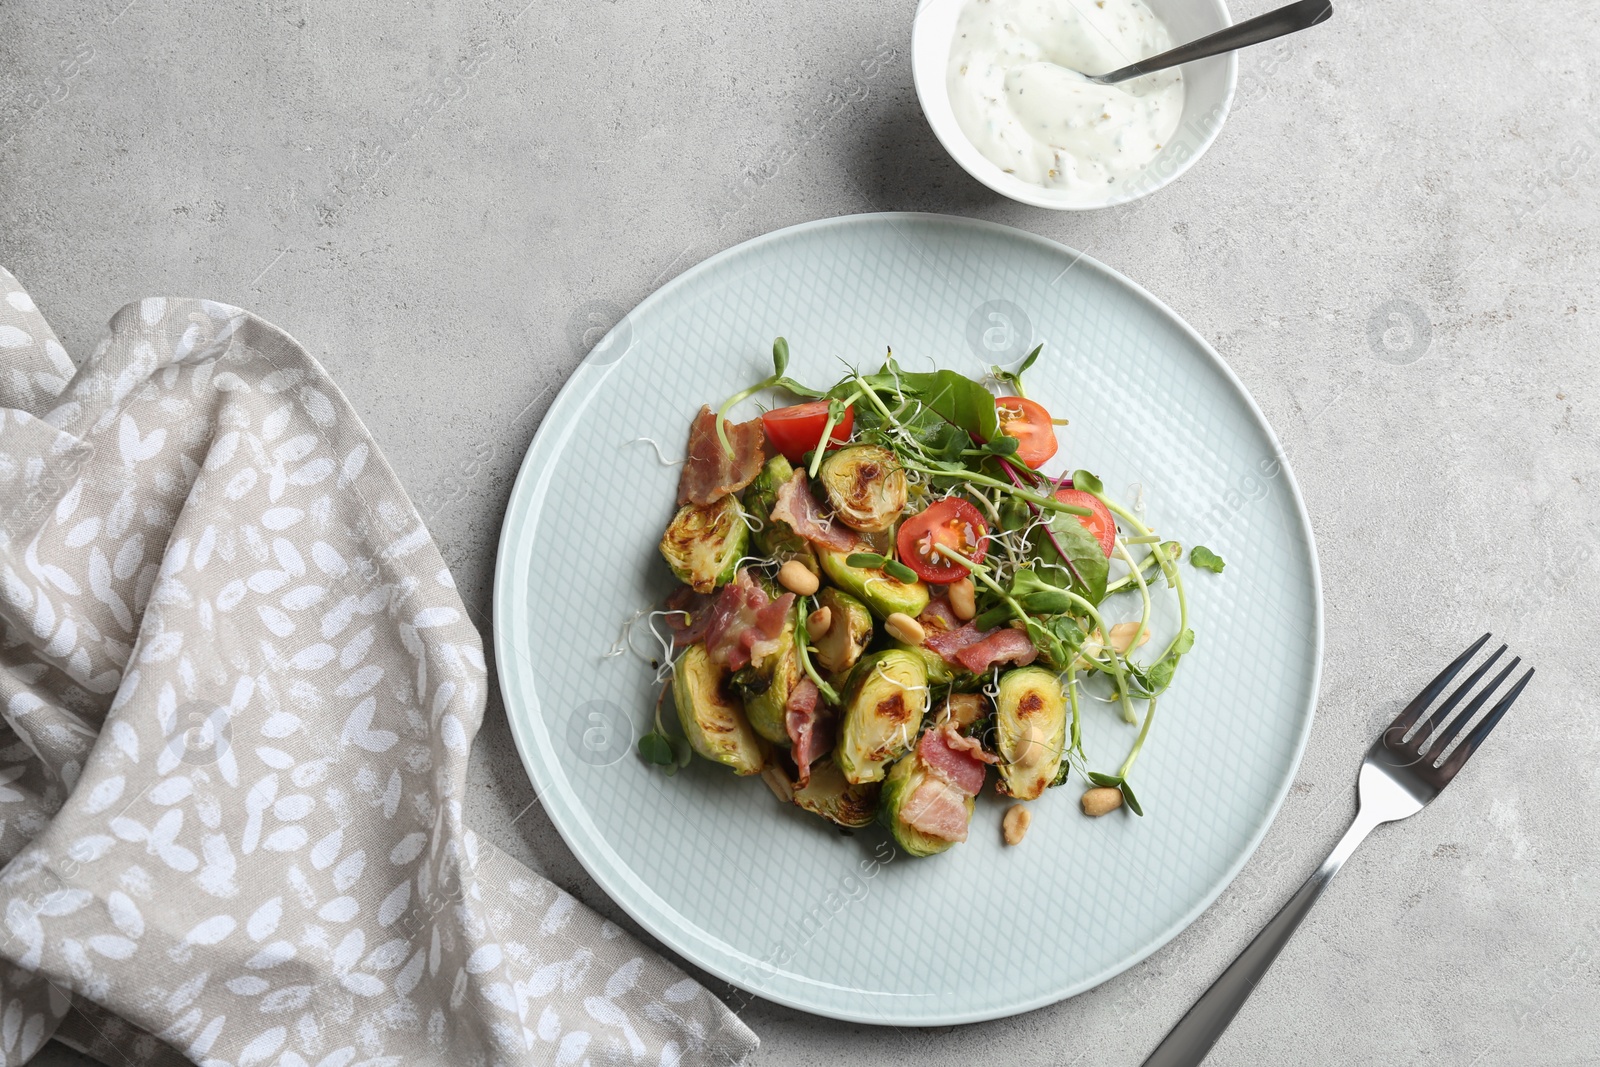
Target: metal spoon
1301,15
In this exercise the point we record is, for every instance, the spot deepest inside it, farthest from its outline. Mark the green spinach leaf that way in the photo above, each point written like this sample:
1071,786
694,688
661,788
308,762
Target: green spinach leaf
1082,548
954,397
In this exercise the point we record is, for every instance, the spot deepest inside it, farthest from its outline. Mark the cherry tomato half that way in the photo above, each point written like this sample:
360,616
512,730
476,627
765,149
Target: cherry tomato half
1030,424
796,429
950,522
1100,525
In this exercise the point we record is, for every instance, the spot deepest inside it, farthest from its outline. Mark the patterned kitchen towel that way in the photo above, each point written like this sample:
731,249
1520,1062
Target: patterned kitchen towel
239,688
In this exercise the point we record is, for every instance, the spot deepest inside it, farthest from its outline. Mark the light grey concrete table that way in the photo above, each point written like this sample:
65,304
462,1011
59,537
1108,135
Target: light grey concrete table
1394,242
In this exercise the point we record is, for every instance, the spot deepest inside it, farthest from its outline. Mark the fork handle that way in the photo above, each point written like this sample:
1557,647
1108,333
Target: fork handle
1188,1043
1291,18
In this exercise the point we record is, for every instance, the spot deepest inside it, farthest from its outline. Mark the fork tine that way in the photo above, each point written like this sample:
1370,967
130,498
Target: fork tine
1475,738
1414,710
1464,752
1436,720
1448,734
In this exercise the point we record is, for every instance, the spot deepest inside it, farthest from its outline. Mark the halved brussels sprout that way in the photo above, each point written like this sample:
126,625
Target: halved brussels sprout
905,778
883,594
831,796
883,709
766,689
848,634
712,719
1030,730
704,543
775,539
866,486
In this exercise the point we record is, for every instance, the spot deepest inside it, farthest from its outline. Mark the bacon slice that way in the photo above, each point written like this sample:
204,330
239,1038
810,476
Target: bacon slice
978,650
709,473
938,616
689,614
960,742
950,642
1004,645
797,507
745,623
956,765
809,723
937,809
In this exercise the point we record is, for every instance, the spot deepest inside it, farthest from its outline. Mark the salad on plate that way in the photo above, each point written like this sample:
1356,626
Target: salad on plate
885,596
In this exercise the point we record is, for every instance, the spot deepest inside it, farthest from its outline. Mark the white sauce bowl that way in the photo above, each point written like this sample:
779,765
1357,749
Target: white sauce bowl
1208,94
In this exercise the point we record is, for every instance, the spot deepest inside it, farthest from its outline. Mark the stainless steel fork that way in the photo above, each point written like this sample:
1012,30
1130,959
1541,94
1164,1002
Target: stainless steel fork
1403,771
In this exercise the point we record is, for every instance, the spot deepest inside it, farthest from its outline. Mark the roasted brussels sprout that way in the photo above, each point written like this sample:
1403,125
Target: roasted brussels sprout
883,709
883,594
712,719
865,485
831,796
905,778
848,634
704,543
766,689
775,539
1030,730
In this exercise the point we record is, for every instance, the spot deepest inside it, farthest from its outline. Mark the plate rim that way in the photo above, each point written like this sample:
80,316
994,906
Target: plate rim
564,821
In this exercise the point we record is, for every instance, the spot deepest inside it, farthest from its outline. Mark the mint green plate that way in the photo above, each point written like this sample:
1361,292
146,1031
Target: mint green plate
776,901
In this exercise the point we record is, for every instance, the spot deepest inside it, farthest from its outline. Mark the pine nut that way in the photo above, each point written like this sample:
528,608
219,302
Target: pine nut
1101,799
903,627
794,577
819,622
964,599
1015,824
1122,636
778,781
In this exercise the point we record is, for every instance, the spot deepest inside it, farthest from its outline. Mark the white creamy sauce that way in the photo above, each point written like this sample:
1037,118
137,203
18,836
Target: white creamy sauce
1018,94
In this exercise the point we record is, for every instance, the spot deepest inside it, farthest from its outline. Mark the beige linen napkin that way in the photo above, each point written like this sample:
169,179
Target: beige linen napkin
239,689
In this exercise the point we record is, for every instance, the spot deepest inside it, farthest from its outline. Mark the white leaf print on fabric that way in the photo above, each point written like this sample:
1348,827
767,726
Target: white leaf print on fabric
238,697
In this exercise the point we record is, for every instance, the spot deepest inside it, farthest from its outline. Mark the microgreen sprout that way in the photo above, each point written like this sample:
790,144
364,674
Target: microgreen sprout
871,561
836,410
1185,638
1119,780
777,380
1147,566
899,571
1047,503
1012,379
802,650
665,659
661,457
1144,596
663,749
